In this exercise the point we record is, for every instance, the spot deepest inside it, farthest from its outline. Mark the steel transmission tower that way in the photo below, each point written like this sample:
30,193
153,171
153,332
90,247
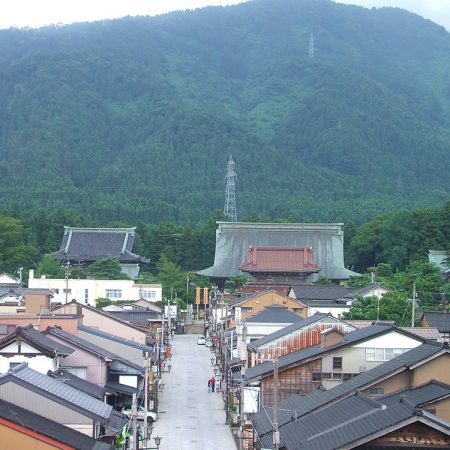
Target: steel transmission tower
230,200
311,46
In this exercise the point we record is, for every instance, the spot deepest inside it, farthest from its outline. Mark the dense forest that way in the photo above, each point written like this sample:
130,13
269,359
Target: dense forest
133,121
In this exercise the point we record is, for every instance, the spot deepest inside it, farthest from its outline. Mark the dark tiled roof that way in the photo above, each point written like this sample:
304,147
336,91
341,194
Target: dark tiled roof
365,426
113,337
361,334
324,292
91,244
438,319
83,343
419,396
61,392
38,340
70,379
279,259
274,315
50,429
104,314
116,422
136,317
301,405
287,330
120,388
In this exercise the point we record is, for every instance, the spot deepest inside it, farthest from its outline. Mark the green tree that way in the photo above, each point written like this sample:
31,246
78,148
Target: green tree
172,279
106,269
395,306
236,282
101,302
49,267
14,253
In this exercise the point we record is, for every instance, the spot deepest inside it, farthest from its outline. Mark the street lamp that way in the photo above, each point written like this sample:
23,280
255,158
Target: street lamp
158,440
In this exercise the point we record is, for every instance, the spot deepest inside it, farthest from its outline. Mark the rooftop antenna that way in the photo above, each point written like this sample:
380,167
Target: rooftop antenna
311,46
230,200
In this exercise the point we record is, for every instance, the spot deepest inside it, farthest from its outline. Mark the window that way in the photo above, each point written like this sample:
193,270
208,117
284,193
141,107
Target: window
67,291
86,296
113,293
7,329
246,310
56,291
327,376
383,354
316,376
376,391
80,372
337,363
148,293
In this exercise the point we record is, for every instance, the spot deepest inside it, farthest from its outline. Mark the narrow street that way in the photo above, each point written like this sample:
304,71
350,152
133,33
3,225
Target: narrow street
190,417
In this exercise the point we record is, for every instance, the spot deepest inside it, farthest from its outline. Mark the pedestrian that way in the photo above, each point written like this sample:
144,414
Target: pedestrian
213,383
209,386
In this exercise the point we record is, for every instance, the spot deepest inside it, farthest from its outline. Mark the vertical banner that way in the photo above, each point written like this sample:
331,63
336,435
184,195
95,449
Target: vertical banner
205,295
197,295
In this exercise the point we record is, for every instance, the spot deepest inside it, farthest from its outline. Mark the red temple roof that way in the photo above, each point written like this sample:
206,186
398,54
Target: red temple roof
280,259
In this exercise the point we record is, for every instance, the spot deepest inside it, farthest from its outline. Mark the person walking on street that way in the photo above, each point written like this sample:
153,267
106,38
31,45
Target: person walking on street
213,383
209,386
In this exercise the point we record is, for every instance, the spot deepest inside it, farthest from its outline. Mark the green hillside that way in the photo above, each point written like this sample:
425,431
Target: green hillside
135,119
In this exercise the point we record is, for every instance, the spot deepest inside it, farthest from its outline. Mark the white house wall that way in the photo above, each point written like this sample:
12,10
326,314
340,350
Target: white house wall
40,363
87,291
390,340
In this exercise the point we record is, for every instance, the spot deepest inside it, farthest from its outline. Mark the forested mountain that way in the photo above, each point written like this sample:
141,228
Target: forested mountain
135,119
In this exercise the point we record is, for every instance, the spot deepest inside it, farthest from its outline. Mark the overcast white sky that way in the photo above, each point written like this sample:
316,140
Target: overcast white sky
36,13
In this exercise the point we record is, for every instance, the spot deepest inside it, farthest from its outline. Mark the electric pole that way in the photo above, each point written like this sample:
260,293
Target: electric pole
243,352
311,46
67,267
413,305
276,433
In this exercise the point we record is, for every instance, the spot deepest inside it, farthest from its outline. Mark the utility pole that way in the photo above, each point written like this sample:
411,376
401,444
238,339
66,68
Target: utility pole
225,366
243,357
134,422
67,280
147,369
276,433
413,305
311,45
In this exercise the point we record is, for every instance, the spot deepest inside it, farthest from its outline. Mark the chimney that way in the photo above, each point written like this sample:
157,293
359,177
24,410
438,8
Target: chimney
330,337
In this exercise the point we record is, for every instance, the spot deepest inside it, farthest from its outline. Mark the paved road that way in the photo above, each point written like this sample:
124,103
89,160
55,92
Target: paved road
189,417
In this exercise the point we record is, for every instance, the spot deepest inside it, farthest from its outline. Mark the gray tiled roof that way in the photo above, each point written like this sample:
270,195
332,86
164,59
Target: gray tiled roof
298,356
341,433
113,337
419,396
91,244
37,340
70,379
234,239
439,320
52,388
325,292
287,330
136,317
302,405
274,315
83,343
46,427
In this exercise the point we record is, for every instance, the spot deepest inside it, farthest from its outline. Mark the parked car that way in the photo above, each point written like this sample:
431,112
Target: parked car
201,340
151,415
